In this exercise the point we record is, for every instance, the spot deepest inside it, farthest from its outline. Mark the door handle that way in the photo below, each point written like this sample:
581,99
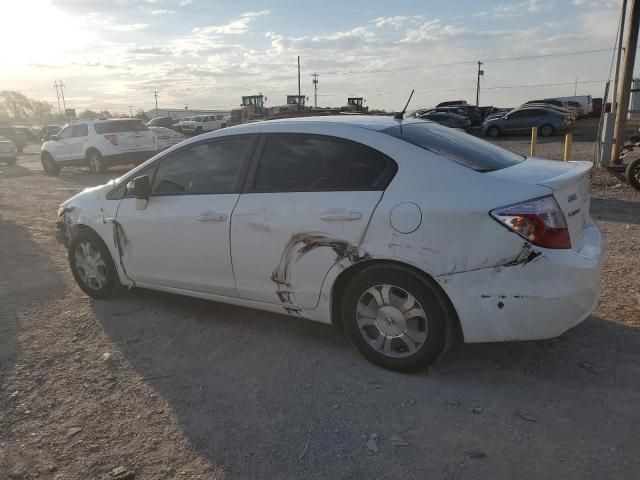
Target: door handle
211,217
340,215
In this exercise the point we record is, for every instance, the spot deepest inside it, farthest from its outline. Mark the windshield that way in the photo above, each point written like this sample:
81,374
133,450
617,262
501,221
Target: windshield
457,146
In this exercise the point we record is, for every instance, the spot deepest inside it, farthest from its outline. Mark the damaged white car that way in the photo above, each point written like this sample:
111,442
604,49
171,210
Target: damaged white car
406,233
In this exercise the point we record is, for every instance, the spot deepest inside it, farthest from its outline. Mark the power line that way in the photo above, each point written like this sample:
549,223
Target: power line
469,62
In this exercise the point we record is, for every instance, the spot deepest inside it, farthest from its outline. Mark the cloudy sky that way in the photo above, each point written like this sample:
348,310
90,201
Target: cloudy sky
207,53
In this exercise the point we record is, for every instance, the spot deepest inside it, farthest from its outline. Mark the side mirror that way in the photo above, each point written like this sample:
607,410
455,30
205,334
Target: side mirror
53,138
139,187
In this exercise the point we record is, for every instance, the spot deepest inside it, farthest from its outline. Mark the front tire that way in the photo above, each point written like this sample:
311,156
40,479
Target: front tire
96,162
493,132
546,130
49,165
199,131
633,174
92,265
396,318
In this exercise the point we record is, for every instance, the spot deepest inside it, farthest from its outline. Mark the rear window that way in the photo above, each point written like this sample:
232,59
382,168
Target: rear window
120,126
456,146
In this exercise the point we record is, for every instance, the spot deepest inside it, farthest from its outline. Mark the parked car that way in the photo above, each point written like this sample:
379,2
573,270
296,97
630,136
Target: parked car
165,137
48,131
470,111
98,144
178,124
8,151
203,123
554,104
451,102
18,138
447,119
584,102
28,133
521,120
404,232
166,122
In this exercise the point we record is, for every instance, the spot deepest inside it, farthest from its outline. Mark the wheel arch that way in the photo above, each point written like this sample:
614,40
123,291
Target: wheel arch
454,331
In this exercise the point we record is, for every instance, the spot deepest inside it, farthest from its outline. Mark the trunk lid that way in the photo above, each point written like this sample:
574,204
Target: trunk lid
568,181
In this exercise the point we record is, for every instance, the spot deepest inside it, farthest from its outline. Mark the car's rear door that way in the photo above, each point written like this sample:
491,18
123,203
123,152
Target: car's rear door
306,206
180,237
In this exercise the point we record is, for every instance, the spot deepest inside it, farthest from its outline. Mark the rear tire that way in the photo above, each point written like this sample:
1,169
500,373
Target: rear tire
11,161
92,266
493,132
547,131
396,318
49,165
96,162
633,174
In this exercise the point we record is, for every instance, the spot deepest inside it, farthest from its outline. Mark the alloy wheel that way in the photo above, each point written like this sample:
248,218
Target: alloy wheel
90,265
391,320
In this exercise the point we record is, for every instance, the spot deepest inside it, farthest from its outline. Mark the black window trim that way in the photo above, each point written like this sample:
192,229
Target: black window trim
237,187
249,184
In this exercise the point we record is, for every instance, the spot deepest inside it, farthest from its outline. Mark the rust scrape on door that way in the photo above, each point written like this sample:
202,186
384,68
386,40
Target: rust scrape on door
121,241
297,247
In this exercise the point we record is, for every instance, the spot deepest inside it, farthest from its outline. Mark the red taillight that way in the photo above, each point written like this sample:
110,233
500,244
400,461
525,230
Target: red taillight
113,139
540,221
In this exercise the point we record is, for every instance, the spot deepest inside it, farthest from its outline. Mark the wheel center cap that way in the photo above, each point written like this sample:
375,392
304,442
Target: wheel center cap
390,321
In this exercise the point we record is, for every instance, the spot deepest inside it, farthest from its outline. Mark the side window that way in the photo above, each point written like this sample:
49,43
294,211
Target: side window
207,168
65,133
300,163
80,131
370,169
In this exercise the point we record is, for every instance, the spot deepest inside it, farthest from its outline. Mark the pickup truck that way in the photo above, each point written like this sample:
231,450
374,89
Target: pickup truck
203,123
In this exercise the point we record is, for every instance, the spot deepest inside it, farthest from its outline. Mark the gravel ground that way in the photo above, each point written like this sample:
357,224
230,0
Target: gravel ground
158,386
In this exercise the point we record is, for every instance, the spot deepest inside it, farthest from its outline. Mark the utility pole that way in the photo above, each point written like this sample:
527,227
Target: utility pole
616,77
131,110
55,84
155,94
575,88
299,94
315,90
480,74
627,76
64,104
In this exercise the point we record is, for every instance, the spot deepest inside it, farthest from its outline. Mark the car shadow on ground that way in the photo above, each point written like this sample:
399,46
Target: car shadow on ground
10,171
613,210
251,389
33,277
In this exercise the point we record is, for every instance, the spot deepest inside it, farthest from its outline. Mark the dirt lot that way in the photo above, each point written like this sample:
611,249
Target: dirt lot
169,387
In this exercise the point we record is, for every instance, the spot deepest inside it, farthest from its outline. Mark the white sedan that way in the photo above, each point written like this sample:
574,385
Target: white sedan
406,233
8,151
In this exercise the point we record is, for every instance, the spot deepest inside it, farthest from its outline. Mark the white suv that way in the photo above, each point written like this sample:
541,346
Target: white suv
203,123
98,144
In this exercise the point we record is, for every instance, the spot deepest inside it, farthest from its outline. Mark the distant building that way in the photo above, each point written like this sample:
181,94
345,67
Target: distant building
180,113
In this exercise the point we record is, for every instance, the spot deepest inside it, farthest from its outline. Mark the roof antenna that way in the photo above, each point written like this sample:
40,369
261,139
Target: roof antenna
400,115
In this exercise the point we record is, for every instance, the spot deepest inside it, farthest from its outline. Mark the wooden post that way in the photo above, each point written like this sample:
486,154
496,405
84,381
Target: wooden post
568,142
534,141
622,111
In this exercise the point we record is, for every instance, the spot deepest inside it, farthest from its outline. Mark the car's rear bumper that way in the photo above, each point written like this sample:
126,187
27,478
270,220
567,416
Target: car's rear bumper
533,300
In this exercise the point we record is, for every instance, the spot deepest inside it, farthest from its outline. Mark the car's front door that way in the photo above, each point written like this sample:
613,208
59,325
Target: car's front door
61,148
305,207
75,144
180,239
